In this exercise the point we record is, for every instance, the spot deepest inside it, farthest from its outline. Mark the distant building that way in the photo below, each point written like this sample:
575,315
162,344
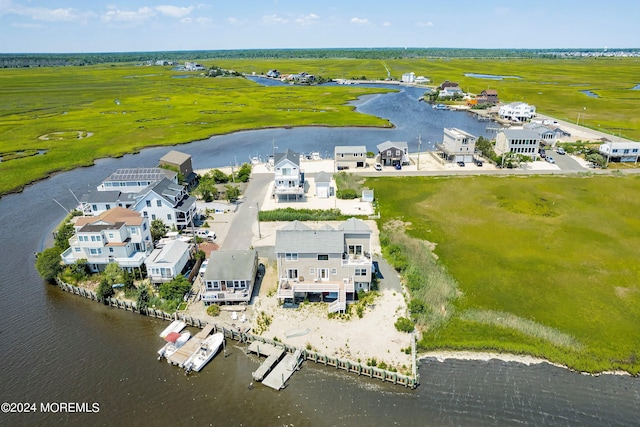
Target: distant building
408,77
488,96
132,180
422,79
457,145
451,92
445,84
350,156
621,151
181,162
519,141
517,111
275,74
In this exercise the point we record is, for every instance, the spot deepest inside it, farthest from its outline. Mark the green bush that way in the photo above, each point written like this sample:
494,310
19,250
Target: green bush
346,194
49,264
404,325
213,310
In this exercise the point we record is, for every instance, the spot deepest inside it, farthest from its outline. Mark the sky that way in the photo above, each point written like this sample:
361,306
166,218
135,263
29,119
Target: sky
75,26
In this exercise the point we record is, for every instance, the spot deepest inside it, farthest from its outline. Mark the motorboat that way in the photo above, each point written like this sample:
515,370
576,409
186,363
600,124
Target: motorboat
205,353
174,340
175,326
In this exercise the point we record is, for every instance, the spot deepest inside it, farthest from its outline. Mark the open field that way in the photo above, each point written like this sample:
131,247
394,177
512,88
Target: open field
55,119
546,266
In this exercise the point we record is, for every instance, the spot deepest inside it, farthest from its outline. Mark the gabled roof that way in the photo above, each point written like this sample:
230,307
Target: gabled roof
101,196
175,157
323,177
169,253
326,227
144,174
490,92
520,133
354,224
309,241
290,155
349,149
402,145
227,265
296,225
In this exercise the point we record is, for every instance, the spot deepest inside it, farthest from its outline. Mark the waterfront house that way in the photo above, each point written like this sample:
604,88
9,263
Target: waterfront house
451,92
118,235
421,79
408,77
132,180
487,96
517,111
180,162
350,156
457,145
230,276
165,263
547,135
324,261
519,141
168,202
445,84
620,151
275,74
288,177
393,153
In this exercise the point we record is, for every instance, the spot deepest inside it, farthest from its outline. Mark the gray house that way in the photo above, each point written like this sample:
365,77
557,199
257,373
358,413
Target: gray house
519,141
230,277
349,157
324,261
393,153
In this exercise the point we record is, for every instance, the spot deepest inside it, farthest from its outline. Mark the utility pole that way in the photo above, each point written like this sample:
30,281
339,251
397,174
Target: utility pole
258,215
419,148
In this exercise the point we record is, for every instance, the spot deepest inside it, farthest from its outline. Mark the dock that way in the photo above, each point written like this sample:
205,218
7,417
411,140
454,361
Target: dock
278,377
183,353
273,353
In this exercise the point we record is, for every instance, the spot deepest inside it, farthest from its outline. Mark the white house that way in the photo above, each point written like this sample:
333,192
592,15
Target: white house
350,156
451,92
519,141
517,111
168,202
323,185
118,235
457,145
621,151
547,135
408,77
288,178
164,264
422,79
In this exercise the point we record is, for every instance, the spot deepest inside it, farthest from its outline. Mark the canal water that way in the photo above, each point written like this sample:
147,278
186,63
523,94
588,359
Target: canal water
57,348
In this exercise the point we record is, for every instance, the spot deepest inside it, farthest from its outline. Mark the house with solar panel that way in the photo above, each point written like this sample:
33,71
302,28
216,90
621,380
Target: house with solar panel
324,263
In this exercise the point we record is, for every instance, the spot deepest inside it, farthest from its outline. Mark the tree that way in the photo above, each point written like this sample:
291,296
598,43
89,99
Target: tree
144,296
104,291
404,325
232,193
49,263
244,173
80,269
158,229
218,176
176,288
63,234
112,273
213,310
486,148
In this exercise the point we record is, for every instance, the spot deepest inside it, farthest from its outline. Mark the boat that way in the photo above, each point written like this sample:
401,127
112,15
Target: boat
174,340
439,107
205,353
175,326
315,156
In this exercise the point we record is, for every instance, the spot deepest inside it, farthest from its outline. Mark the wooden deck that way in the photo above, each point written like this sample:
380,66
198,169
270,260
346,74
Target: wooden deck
183,353
279,375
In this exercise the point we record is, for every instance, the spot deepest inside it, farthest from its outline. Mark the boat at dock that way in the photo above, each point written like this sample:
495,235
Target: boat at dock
175,326
208,348
175,341
439,107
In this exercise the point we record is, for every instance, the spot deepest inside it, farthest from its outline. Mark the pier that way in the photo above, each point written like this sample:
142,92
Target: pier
409,381
190,347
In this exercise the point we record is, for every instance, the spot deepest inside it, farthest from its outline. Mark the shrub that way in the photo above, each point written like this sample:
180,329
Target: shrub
347,194
213,310
49,264
104,291
404,325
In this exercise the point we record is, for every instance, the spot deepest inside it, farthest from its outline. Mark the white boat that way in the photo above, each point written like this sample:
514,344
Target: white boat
175,326
205,353
315,156
174,342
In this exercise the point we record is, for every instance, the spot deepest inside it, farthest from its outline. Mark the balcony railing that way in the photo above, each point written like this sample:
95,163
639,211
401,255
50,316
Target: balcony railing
240,295
288,287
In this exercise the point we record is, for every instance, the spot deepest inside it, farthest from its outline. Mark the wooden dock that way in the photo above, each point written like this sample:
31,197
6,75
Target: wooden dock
279,375
273,353
183,353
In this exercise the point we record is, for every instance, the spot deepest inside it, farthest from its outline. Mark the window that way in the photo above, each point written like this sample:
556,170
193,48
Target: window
153,217
216,284
169,217
108,206
144,225
133,230
110,250
323,257
94,251
148,204
292,273
236,283
360,272
355,250
94,207
291,256
243,284
145,214
334,271
77,249
159,203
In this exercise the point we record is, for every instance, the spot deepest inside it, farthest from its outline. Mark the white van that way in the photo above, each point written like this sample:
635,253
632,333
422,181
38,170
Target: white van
206,234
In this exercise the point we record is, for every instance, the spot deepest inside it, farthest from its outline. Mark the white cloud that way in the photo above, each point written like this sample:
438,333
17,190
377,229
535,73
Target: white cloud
43,13
359,21
425,24
307,19
274,19
234,21
24,25
386,24
131,16
174,11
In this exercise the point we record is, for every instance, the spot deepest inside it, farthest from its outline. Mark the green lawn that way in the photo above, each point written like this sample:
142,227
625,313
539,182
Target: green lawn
121,109
544,265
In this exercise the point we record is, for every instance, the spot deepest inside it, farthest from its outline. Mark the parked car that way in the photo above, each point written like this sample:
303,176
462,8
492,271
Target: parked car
377,167
542,152
550,159
398,166
478,162
461,164
560,150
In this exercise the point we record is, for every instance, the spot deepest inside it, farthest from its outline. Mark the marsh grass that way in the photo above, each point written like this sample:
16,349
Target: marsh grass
562,272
